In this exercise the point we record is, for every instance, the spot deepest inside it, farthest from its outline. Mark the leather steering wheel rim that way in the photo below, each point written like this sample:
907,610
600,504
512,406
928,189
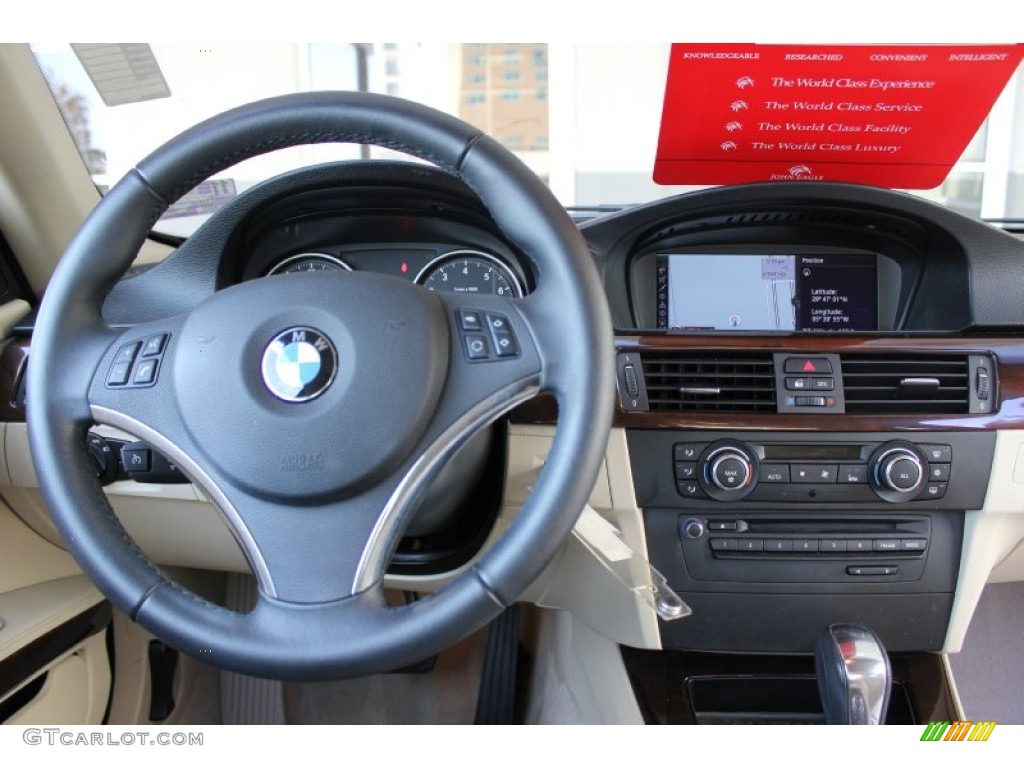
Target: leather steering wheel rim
356,633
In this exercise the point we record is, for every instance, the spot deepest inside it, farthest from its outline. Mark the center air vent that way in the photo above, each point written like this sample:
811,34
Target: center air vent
907,384
709,382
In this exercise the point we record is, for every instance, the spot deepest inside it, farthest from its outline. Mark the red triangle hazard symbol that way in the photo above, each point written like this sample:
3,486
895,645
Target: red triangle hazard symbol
809,367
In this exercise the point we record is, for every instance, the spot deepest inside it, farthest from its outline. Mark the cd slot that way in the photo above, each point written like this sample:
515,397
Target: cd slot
828,526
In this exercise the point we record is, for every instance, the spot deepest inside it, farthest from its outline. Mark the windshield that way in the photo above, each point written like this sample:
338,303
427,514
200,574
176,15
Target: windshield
584,116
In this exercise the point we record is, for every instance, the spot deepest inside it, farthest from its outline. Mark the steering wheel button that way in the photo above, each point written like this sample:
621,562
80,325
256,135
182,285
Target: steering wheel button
497,323
145,372
470,320
154,346
126,354
118,375
476,346
505,344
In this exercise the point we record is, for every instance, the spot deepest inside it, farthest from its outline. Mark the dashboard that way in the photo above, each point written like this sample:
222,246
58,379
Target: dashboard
812,381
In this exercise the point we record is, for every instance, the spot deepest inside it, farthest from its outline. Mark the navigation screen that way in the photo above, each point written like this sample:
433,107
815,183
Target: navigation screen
748,292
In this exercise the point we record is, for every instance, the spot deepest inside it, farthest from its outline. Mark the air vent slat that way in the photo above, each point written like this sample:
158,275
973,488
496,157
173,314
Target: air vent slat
909,384
675,380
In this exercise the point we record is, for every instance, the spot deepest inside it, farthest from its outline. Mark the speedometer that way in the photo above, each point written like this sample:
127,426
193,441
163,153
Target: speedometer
309,262
472,272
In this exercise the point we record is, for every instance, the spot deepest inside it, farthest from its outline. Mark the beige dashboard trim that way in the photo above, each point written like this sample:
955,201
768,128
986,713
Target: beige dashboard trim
991,534
30,612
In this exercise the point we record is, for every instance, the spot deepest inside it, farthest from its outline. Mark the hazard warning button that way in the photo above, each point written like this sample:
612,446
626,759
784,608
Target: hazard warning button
808,365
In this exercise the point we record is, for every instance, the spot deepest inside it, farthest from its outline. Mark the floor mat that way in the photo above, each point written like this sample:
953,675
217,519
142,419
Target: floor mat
445,696
988,671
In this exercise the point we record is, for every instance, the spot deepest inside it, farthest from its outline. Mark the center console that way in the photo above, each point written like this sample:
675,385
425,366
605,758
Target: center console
771,536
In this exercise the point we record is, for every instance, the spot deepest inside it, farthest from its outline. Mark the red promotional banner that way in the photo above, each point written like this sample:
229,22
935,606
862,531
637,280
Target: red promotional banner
892,116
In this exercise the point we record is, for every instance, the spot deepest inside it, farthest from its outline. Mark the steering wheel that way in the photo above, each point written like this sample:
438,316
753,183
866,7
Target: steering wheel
314,410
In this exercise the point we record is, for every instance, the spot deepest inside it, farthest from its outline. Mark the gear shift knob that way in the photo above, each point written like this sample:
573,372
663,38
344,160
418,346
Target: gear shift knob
854,676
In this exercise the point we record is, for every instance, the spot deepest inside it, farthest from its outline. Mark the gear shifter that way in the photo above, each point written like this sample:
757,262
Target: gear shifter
854,676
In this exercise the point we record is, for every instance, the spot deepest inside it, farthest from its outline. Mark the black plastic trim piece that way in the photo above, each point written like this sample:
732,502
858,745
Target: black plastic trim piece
13,705
13,283
27,662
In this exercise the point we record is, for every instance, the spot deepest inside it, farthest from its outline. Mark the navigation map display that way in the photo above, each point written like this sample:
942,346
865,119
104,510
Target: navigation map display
753,292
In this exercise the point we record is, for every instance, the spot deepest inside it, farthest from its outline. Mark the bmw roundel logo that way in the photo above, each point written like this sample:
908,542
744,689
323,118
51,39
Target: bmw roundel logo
299,364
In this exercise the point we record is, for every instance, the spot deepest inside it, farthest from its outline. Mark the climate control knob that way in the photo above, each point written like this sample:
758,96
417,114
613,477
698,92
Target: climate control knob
729,470
897,471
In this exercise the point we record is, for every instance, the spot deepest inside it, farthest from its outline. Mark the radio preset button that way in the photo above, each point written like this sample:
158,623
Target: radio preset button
859,545
832,545
805,545
778,545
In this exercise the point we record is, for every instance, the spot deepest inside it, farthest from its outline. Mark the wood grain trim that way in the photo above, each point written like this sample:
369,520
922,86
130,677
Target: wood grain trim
12,364
1009,353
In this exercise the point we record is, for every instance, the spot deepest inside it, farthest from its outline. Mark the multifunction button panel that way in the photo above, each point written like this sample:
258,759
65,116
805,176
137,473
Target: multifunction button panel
894,471
486,335
137,362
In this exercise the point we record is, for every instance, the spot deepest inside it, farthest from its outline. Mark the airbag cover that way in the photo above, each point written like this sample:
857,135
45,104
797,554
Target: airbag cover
359,428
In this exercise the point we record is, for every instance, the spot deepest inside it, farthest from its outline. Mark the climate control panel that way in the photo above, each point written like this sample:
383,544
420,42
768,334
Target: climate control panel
729,470
944,470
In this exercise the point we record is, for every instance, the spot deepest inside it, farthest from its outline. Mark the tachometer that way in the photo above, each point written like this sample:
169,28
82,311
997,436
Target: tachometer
309,262
470,272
